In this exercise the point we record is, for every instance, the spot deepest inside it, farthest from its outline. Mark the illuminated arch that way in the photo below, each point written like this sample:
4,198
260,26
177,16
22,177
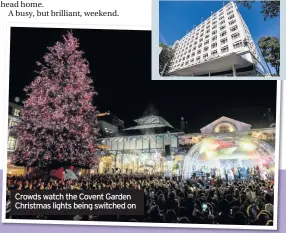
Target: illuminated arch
224,127
192,158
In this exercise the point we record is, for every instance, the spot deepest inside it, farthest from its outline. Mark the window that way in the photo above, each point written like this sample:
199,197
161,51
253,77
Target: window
238,44
232,22
235,36
184,58
223,41
16,112
214,32
222,22
231,17
199,51
208,26
208,31
214,52
201,39
214,45
206,49
230,12
221,18
234,28
193,54
223,34
195,42
11,143
200,45
214,22
222,28
13,123
187,62
224,49
207,36
188,56
206,42
206,55
202,35
198,58
192,60
194,48
214,27
189,50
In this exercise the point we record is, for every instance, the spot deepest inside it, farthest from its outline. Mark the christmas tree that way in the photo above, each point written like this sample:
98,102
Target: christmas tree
58,124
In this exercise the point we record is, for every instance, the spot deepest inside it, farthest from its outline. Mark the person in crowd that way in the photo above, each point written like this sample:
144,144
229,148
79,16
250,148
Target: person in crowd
194,201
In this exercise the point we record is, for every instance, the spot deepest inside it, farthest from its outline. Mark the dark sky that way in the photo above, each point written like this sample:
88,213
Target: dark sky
120,62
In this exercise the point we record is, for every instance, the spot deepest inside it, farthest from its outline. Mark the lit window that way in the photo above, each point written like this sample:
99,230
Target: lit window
16,112
11,143
13,123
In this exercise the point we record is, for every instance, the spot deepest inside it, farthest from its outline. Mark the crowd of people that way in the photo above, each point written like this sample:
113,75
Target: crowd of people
170,200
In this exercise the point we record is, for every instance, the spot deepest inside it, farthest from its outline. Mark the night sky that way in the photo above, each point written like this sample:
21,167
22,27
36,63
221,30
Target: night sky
120,63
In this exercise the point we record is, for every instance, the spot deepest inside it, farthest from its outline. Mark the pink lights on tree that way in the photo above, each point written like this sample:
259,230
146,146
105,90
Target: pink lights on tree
58,124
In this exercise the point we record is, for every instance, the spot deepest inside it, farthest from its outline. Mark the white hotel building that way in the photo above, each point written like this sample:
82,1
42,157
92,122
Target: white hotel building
220,46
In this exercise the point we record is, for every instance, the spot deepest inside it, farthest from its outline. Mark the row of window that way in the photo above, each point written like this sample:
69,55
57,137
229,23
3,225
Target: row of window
206,40
224,49
208,30
206,48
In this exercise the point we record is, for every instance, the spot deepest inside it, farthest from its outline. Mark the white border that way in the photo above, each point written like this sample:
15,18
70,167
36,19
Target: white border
132,224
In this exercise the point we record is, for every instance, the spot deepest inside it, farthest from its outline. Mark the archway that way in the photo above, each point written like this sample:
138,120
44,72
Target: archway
225,150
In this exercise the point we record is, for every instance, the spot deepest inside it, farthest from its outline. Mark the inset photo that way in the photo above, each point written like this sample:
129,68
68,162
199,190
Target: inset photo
211,39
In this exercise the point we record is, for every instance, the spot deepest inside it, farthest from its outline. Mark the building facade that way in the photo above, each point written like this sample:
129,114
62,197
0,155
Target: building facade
148,151
13,118
220,46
